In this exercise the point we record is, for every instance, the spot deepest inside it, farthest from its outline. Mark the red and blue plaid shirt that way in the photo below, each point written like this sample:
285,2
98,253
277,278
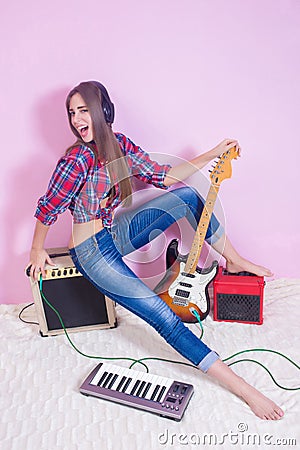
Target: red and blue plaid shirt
78,185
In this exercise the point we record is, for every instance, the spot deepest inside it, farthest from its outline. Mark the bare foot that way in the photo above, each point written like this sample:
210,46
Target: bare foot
262,406
243,265
235,262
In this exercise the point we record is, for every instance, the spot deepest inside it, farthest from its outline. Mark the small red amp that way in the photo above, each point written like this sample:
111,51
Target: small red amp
238,297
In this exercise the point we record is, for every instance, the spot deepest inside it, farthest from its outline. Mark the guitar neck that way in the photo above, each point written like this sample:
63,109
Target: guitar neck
196,248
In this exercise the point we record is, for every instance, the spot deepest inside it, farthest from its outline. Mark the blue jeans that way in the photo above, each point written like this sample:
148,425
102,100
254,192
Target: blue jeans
99,259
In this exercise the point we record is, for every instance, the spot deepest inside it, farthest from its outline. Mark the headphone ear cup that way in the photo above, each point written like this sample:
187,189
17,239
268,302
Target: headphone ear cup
107,105
108,110
112,113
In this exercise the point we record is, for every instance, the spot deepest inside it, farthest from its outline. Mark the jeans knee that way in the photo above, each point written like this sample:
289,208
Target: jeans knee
172,331
166,323
189,195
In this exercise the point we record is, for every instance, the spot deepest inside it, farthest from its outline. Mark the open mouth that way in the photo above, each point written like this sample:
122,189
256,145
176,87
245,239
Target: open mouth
83,131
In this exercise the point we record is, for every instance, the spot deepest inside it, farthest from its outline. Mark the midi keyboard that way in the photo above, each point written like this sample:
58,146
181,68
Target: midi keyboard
160,395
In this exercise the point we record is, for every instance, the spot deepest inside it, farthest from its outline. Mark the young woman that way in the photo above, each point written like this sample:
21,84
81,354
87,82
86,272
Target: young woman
92,179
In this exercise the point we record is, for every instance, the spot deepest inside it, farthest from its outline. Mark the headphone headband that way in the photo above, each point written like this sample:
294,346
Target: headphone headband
107,105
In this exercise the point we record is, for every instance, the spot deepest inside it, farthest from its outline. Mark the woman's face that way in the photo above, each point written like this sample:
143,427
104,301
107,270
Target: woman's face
80,117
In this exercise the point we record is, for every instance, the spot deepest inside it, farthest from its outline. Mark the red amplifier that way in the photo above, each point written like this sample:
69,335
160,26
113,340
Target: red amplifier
238,297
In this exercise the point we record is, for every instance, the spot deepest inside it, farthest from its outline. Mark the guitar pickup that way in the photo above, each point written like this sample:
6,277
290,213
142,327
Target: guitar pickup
182,293
185,284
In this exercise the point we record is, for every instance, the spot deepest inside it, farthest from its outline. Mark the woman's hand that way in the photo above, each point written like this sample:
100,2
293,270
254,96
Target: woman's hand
38,259
224,146
188,168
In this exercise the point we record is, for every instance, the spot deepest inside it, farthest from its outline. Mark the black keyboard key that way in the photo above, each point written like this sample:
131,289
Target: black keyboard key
123,379
135,387
102,379
155,392
148,385
107,380
126,384
141,387
161,393
112,381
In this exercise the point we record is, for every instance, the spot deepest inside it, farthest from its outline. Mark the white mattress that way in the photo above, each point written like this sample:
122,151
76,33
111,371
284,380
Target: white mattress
41,407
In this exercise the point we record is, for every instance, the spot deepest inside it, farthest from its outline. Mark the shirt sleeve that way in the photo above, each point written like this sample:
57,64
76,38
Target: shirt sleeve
142,166
66,180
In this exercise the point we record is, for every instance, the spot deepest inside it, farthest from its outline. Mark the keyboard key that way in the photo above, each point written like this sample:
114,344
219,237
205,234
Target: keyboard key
135,387
123,379
156,389
102,379
110,375
141,387
114,378
148,385
126,384
161,393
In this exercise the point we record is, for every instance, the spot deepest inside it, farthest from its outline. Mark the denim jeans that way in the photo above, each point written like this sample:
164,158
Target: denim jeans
100,260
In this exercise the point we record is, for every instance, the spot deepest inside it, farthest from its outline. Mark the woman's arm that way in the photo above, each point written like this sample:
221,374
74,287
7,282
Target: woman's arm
65,182
38,255
188,168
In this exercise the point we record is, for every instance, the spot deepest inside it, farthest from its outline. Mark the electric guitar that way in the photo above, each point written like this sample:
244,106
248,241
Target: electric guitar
185,286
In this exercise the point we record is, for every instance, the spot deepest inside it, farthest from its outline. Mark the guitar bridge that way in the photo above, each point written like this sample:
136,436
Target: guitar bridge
179,301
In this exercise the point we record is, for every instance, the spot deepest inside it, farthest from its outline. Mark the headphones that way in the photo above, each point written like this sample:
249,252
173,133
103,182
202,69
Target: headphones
107,105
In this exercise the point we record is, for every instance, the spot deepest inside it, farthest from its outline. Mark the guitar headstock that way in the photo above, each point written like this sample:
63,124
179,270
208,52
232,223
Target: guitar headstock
222,169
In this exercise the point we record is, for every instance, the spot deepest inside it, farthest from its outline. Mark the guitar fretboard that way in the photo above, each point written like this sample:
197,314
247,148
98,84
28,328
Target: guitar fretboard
192,261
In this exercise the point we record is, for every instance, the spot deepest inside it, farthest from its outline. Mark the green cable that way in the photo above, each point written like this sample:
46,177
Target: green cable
262,350
140,361
260,364
195,312
154,358
70,341
231,364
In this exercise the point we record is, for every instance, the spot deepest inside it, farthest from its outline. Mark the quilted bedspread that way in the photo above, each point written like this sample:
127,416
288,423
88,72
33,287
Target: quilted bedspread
42,409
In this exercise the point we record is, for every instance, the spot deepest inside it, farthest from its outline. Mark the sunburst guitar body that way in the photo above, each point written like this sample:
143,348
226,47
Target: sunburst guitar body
185,292
184,286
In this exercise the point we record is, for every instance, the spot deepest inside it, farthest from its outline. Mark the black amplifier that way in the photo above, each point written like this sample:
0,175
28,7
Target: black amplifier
81,306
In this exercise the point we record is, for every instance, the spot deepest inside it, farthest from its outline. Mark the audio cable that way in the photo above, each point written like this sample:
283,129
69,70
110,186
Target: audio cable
152,358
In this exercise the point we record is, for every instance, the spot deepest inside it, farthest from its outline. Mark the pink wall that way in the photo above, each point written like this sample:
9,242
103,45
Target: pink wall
183,75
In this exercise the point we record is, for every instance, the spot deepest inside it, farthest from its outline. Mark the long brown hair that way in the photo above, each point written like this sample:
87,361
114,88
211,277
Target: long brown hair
107,148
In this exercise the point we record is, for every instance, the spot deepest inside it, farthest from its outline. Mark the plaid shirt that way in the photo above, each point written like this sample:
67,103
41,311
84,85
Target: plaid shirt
76,184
